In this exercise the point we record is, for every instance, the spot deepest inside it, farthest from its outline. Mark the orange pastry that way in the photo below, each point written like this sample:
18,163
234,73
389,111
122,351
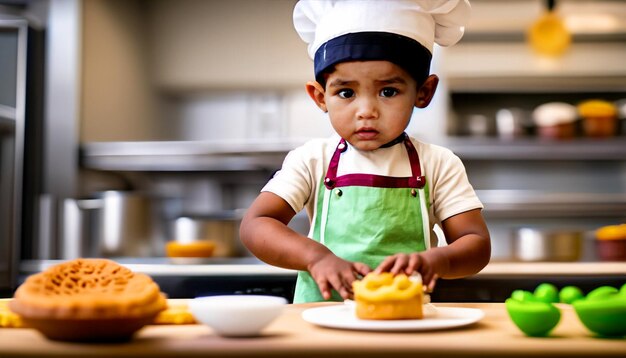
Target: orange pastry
385,297
88,299
202,248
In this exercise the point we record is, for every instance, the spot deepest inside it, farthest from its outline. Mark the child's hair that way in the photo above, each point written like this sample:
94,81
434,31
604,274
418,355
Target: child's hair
322,77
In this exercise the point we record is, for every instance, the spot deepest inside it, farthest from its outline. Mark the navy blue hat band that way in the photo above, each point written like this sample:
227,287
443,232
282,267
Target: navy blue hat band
370,46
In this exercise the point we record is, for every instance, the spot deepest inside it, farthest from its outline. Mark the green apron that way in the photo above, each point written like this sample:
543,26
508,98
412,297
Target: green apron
365,218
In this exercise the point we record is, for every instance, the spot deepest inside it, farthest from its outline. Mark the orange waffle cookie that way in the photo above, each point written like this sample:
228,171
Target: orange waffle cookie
88,299
8,319
176,313
384,296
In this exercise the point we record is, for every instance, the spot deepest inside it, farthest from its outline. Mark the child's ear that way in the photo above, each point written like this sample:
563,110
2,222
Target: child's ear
426,92
316,92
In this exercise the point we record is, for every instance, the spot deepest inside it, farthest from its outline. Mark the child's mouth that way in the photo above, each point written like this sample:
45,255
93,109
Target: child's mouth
366,133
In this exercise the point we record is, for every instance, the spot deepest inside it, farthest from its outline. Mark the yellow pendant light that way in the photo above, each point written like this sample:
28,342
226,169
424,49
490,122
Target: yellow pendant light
549,35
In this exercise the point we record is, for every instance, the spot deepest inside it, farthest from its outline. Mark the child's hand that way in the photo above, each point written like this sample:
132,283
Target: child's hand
430,266
331,272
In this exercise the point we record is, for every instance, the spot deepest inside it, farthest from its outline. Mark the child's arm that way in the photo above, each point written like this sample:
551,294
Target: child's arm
265,233
468,251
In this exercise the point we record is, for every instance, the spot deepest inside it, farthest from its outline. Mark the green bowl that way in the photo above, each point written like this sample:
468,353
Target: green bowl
534,318
605,317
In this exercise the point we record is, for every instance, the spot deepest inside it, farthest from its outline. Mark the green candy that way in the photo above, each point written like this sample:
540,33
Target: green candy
523,296
534,318
570,294
602,293
547,292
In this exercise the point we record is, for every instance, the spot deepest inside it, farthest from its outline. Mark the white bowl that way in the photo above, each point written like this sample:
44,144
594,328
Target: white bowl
237,315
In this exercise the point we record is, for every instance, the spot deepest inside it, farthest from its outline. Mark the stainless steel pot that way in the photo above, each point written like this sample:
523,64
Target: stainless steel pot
221,228
531,244
114,223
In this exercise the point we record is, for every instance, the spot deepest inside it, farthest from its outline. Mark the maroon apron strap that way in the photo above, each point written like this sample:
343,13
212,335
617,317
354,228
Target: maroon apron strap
416,180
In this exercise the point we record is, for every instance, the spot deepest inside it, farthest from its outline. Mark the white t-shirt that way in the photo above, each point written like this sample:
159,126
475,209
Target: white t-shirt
450,192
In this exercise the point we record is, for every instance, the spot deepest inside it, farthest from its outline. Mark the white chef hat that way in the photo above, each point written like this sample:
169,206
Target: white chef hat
400,31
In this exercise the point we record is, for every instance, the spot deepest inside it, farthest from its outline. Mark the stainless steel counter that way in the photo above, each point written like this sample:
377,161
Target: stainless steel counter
250,266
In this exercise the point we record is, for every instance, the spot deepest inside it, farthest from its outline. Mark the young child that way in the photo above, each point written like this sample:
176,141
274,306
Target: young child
372,193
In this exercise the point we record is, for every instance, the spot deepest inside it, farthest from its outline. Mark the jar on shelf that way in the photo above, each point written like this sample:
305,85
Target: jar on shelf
599,118
611,242
556,120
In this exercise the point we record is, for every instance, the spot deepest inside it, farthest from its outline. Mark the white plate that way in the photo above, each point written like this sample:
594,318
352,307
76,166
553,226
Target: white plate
343,317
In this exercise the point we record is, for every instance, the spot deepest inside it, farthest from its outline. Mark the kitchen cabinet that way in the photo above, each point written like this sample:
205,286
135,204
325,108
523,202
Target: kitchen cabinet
289,336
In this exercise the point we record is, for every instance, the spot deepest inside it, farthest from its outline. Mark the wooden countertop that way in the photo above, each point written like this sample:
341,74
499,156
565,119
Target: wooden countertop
290,336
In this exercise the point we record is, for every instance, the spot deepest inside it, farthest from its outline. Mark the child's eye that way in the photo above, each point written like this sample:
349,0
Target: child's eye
388,92
345,93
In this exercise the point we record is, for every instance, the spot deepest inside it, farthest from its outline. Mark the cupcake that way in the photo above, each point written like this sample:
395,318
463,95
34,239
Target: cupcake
611,242
555,120
599,118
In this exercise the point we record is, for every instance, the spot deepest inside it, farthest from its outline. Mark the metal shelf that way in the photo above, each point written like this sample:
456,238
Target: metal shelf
268,155
186,155
538,149
533,204
539,83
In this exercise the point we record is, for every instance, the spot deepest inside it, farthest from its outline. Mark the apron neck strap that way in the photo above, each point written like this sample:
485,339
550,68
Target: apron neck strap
415,181
398,140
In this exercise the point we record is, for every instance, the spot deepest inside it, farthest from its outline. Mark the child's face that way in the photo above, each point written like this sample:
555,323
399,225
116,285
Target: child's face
369,102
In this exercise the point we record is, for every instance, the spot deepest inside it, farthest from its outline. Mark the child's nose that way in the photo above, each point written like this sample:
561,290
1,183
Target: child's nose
367,108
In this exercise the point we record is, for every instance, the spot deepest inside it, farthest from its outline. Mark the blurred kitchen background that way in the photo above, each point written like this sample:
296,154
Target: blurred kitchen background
128,124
